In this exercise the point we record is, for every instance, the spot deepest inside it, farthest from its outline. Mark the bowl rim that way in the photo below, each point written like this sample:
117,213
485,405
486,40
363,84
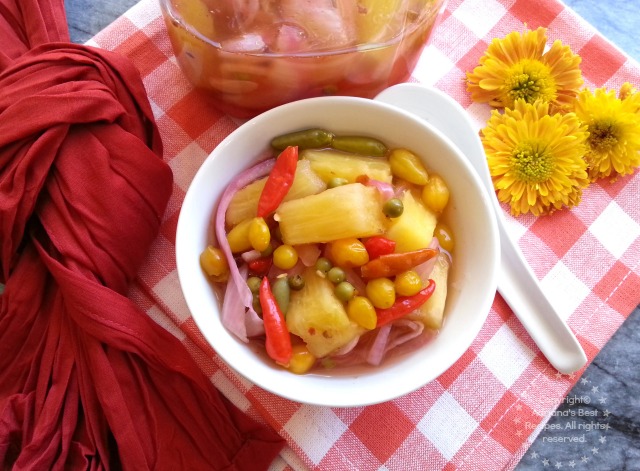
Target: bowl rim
264,382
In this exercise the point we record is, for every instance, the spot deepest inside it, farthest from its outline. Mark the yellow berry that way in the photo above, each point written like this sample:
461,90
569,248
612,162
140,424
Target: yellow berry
408,166
361,311
381,292
302,360
214,263
285,257
238,237
408,283
348,253
435,194
259,234
445,236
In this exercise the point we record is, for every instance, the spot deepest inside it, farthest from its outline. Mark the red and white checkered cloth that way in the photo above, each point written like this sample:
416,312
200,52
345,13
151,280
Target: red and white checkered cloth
487,409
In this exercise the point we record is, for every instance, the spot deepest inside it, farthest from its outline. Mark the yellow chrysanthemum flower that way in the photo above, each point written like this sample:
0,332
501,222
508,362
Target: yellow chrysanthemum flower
535,158
629,94
517,67
627,90
614,131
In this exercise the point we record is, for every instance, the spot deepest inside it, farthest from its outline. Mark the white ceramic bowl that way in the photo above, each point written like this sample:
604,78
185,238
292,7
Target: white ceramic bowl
472,282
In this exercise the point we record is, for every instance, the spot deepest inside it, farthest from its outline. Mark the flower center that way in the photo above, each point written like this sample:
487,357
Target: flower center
531,164
603,136
530,80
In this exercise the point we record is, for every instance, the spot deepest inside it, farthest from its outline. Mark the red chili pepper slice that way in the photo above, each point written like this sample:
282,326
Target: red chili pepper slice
395,263
378,245
363,179
405,304
260,266
278,340
278,182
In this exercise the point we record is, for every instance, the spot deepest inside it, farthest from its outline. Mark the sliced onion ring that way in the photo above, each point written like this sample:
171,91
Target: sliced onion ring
239,329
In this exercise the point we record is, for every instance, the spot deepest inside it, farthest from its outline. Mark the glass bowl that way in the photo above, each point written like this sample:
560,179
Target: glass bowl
253,55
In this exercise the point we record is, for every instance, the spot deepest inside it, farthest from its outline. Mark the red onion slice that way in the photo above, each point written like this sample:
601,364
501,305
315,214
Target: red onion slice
425,269
378,349
347,347
233,311
308,253
391,336
358,283
234,325
415,329
385,189
250,255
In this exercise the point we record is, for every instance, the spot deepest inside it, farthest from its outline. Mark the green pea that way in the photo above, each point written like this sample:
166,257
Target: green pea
268,251
296,282
336,275
344,291
256,304
360,145
323,265
307,139
393,208
282,293
336,181
254,283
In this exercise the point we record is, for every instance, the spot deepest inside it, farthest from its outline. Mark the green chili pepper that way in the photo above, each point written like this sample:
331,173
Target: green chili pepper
307,139
282,293
360,145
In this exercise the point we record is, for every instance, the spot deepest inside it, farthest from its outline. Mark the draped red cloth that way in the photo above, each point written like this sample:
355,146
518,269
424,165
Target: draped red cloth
88,380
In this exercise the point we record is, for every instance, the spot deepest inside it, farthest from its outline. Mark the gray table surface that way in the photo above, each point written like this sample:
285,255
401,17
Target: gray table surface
597,427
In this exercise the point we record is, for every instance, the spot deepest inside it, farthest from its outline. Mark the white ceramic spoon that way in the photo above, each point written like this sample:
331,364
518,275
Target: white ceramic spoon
516,282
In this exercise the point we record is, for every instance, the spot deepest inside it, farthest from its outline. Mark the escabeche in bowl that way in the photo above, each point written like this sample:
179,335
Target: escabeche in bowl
326,211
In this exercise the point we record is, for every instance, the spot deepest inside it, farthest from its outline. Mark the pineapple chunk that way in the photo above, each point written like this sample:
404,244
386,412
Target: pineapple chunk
413,230
378,19
318,317
244,204
329,163
431,314
351,210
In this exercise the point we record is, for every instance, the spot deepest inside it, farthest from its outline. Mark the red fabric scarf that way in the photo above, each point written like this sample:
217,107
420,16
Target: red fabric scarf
88,380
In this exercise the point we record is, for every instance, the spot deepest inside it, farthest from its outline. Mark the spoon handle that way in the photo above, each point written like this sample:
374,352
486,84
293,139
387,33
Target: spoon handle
516,282
521,290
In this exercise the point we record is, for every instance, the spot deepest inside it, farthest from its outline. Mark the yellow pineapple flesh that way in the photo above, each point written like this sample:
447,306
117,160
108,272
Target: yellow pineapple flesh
352,210
317,316
329,163
244,204
431,313
378,18
413,230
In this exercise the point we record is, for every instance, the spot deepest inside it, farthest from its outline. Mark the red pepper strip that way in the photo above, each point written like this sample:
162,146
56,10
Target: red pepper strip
278,340
405,304
378,245
278,182
396,263
260,266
